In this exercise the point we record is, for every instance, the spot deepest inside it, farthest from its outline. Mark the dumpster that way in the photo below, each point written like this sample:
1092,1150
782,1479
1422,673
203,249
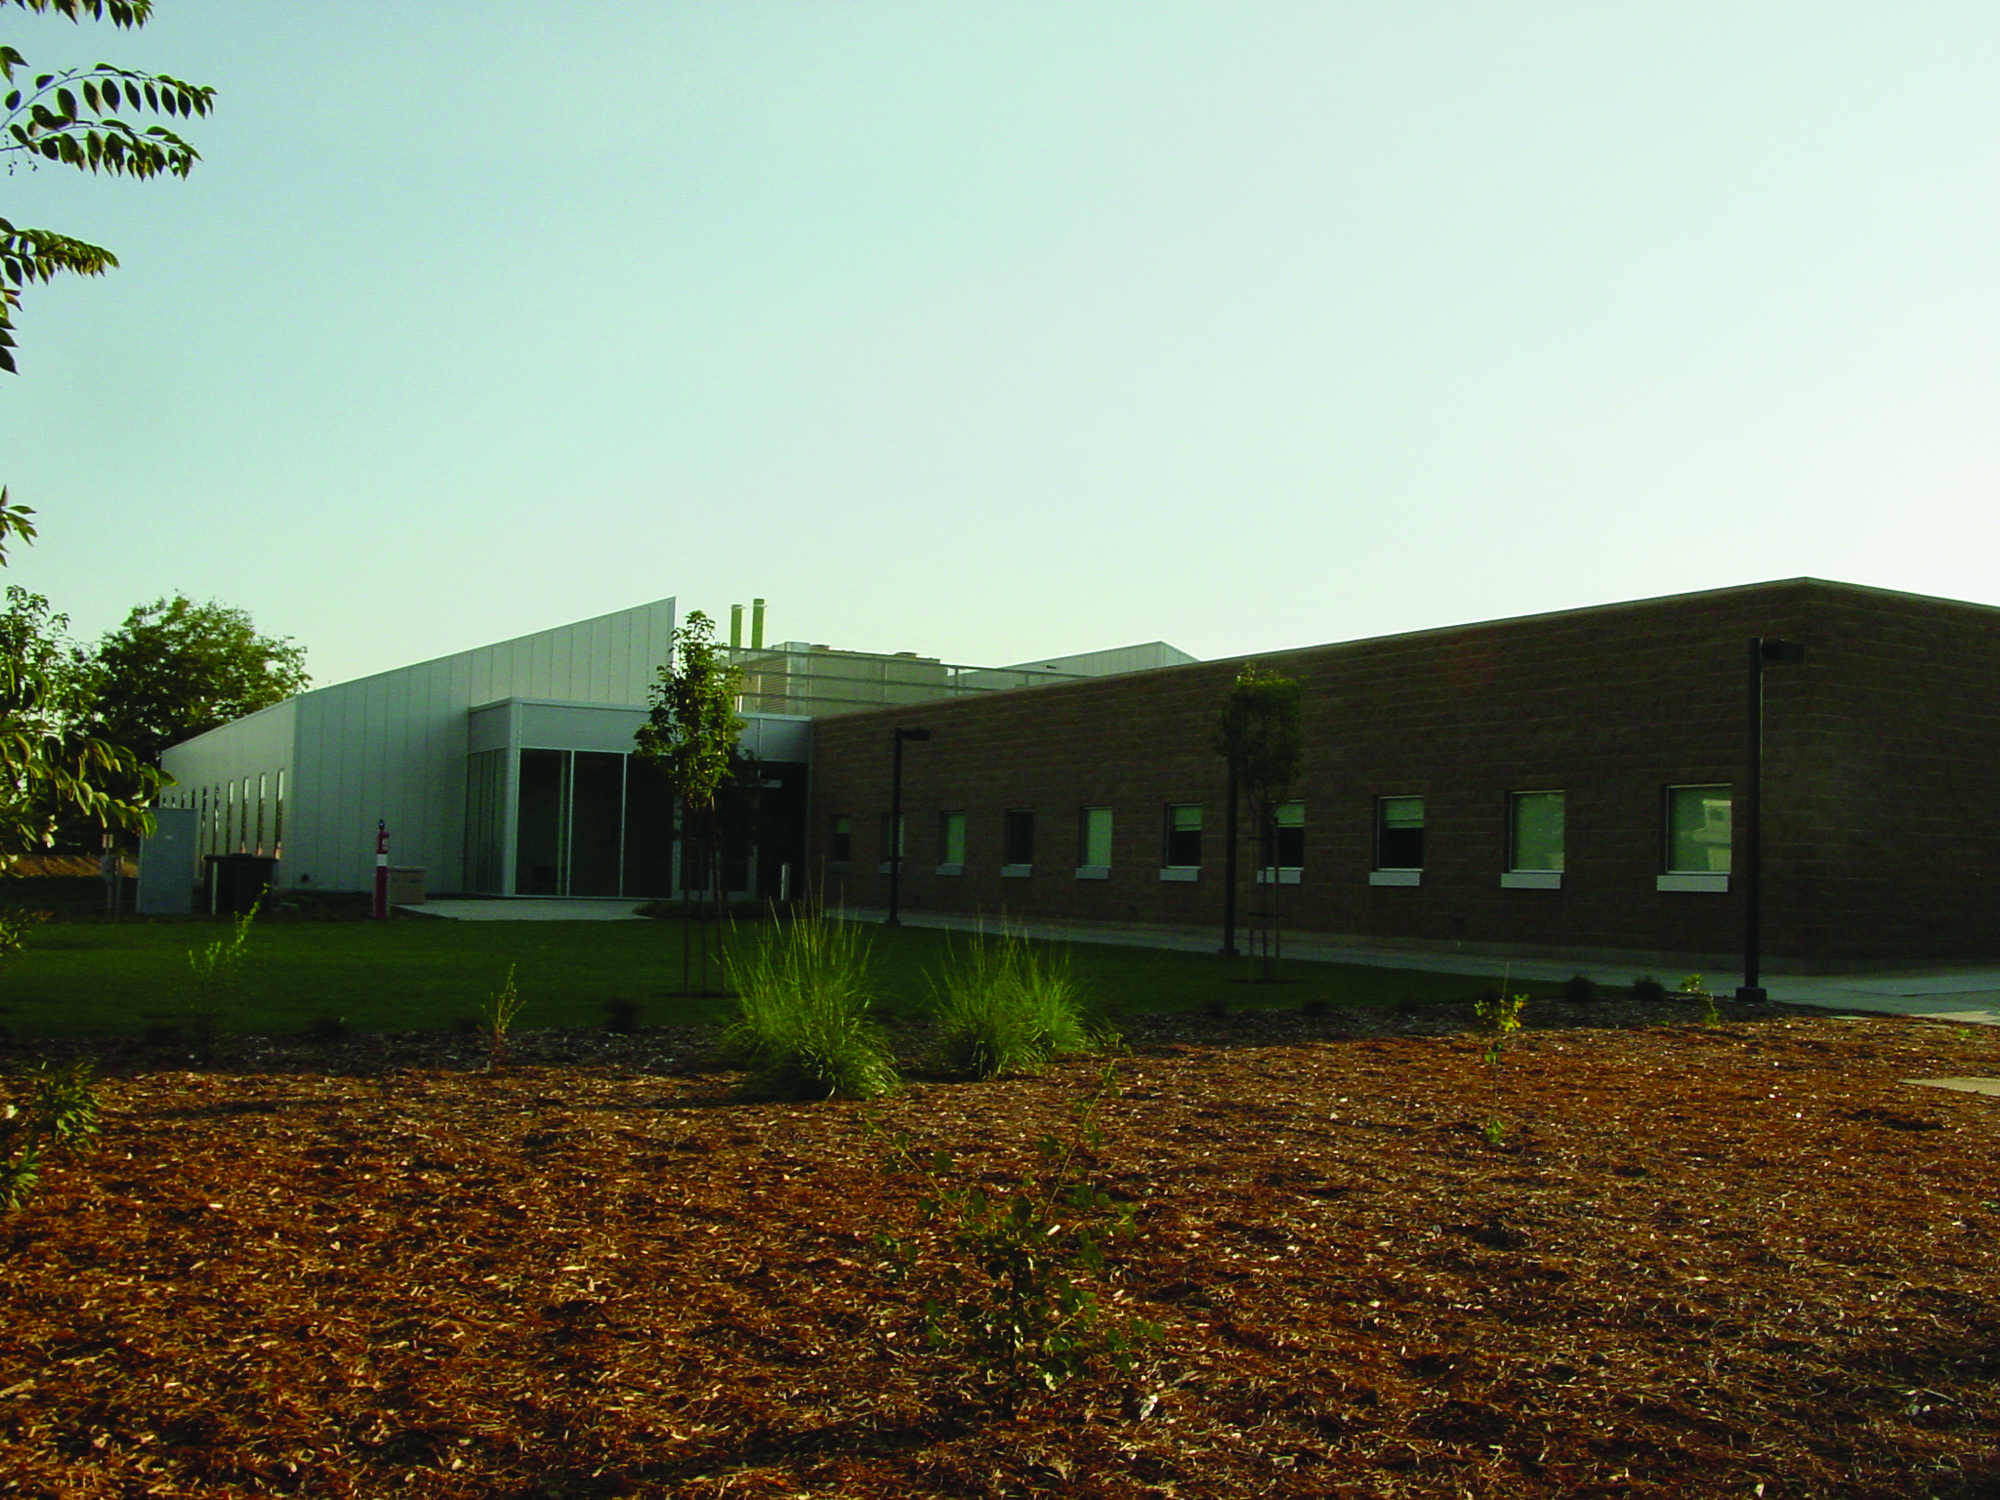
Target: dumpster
237,882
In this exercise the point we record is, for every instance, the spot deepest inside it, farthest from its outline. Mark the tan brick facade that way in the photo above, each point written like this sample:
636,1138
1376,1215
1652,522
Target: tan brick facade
1882,780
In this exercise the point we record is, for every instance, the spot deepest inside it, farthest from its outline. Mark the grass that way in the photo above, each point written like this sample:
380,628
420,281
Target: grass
1007,1006
802,1025
117,979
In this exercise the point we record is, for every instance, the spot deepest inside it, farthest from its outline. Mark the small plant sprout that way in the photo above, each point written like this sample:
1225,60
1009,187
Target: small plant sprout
497,1019
1500,1015
1695,987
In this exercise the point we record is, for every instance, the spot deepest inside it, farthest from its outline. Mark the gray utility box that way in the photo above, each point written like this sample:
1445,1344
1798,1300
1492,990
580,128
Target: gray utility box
168,870
406,885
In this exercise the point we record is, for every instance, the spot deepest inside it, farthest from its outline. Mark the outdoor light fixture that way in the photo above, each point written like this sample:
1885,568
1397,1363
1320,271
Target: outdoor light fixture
896,824
1763,650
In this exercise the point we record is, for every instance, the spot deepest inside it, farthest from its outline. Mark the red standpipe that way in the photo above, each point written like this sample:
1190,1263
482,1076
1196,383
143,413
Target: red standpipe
381,912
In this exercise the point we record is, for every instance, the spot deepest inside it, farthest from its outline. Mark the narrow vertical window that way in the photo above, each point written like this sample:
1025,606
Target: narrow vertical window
1291,840
889,836
840,839
278,819
1018,841
951,842
1094,842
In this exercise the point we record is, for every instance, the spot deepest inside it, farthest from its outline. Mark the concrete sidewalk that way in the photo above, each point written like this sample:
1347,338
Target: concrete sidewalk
531,909
1967,995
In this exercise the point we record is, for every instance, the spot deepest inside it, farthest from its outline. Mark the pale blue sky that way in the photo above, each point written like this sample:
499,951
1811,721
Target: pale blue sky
996,330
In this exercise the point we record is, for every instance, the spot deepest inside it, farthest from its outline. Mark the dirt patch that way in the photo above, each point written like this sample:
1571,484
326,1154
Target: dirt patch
1688,1261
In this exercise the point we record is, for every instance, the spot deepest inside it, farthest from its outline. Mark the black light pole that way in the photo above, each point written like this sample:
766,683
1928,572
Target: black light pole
1228,949
1762,649
896,824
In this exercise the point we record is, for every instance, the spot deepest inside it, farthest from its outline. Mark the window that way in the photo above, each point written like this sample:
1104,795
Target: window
1399,833
1699,830
840,840
1093,854
1291,843
951,843
1182,856
889,844
1535,840
1018,841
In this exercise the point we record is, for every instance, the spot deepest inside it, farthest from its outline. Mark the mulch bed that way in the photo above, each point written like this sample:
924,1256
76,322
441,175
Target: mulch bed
1743,1260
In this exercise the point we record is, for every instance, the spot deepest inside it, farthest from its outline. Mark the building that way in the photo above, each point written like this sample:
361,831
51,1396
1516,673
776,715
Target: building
507,769
1562,783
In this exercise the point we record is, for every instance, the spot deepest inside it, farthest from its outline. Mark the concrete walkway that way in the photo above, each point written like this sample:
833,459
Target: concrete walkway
1967,995
531,909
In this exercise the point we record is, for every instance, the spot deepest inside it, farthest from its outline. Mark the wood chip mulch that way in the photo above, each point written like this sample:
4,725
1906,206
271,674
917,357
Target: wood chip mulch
1742,1260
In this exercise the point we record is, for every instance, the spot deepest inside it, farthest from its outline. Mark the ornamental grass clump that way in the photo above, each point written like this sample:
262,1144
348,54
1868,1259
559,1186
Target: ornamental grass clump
1005,1006
802,1027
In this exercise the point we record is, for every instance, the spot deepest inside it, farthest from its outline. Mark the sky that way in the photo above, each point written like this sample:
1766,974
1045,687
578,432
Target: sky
998,329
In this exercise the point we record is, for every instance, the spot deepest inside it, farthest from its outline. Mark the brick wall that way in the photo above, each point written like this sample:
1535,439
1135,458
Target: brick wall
1882,818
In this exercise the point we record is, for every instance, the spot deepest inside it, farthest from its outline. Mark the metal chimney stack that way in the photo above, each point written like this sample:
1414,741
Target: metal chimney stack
756,624
735,627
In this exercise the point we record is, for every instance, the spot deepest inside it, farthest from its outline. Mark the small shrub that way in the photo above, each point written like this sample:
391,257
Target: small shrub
328,1029
215,985
1314,1008
1500,1014
1646,987
1004,1006
621,1017
1018,1279
802,1027
1579,989
15,925
1216,1010
61,1115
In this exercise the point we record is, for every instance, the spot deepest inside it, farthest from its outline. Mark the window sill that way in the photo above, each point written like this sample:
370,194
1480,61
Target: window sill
1016,872
1287,875
949,870
1396,877
1188,873
1718,883
1532,880
1093,872
883,868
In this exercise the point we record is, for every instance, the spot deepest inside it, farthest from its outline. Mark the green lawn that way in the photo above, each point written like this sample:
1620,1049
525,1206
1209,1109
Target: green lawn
101,978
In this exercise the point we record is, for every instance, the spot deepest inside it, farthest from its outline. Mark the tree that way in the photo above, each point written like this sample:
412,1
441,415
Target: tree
176,669
689,737
1261,737
52,769
73,118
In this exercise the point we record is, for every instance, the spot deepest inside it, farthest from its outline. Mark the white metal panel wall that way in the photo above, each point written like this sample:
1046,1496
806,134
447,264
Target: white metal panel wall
393,746
260,744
